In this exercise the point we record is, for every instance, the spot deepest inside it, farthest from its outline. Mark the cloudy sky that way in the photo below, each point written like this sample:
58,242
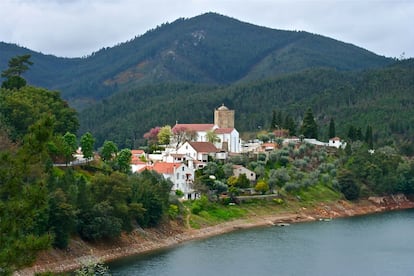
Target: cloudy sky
74,28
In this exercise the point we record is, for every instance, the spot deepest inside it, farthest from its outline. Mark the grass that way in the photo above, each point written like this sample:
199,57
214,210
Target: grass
209,214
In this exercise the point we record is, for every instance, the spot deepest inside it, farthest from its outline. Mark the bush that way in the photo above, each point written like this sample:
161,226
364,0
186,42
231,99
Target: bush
173,211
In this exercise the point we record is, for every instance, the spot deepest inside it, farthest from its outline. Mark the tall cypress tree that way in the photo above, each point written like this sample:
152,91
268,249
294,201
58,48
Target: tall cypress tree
332,132
309,127
368,137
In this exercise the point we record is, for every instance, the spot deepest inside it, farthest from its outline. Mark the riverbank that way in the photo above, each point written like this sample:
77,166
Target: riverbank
145,240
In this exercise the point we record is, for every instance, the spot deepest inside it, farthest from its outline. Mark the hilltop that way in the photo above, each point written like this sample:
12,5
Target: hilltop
207,49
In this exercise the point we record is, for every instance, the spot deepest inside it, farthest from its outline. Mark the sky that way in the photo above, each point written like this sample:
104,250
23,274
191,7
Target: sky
76,28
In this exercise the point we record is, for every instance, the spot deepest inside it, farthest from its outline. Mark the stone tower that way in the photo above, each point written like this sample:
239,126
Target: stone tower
224,117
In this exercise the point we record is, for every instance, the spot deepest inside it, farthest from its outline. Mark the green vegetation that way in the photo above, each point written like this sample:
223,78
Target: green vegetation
209,48
366,99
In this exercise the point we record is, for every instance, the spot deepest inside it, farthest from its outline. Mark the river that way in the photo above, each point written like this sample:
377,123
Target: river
380,244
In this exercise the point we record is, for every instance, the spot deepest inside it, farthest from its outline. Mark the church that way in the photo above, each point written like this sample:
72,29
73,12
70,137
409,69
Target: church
223,127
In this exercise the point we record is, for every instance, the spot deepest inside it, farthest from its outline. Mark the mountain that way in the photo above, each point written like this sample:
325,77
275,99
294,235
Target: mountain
207,49
382,98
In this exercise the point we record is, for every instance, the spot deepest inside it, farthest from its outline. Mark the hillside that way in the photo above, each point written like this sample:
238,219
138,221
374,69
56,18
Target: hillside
382,98
208,49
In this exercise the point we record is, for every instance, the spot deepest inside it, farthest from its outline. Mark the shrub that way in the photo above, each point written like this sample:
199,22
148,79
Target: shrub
173,211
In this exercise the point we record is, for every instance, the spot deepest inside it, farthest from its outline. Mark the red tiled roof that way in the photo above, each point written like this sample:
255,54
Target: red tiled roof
335,139
164,167
268,145
195,127
137,161
223,130
137,152
203,147
149,168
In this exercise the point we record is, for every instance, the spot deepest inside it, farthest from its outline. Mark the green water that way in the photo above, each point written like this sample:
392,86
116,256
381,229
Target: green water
381,244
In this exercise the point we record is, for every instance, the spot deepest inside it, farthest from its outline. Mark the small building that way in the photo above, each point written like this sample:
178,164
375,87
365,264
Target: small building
239,169
198,150
229,139
337,143
181,175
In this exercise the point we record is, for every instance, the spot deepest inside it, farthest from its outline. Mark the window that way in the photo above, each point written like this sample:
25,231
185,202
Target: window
178,176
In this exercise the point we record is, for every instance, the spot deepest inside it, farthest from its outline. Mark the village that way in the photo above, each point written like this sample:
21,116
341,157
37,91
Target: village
194,145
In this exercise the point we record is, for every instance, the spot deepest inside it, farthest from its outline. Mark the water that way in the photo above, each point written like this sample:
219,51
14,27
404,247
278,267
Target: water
381,244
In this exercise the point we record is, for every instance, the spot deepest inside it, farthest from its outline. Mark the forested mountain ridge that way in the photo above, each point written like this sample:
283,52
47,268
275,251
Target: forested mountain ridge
382,98
209,49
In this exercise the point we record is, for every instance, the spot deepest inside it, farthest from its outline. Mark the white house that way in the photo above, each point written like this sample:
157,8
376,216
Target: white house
238,170
337,143
229,139
181,175
198,150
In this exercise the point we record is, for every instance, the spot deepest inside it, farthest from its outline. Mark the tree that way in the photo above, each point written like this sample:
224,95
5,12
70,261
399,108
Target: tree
212,137
124,160
109,150
348,185
87,143
164,135
309,127
23,204
369,137
332,132
70,145
152,135
290,125
352,135
262,187
17,66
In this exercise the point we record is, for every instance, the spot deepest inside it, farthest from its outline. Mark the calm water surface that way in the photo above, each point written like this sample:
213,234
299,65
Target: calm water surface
381,244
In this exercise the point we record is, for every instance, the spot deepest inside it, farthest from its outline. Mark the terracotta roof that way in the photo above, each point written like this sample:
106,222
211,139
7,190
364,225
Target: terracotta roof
136,152
137,161
164,167
195,127
268,145
149,168
203,147
335,139
223,130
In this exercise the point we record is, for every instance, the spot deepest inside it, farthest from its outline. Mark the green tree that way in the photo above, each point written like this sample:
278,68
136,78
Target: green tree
70,145
109,150
123,160
23,205
332,132
262,186
369,137
212,137
164,135
87,143
309,127
17,66
347,184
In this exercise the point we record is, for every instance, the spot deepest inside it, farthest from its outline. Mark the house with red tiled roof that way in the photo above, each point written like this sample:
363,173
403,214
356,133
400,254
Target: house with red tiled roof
198,150
181,175
336,142
223,127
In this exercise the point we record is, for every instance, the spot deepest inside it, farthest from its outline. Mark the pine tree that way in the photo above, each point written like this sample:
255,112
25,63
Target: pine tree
309,127
368,137
332,132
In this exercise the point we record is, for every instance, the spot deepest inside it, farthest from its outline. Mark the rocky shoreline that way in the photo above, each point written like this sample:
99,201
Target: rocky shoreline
140,241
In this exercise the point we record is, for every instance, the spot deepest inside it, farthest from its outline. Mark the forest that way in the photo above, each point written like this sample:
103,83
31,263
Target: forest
381,98
206,49
42,205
